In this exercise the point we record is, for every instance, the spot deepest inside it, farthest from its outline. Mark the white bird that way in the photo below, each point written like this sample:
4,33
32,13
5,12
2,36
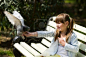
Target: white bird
17,15
18,21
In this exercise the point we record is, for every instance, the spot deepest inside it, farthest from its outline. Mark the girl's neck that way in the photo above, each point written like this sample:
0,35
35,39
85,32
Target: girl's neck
63,33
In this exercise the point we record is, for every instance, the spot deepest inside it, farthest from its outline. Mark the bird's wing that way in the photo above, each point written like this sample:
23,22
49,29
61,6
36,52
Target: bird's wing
18,15
14,21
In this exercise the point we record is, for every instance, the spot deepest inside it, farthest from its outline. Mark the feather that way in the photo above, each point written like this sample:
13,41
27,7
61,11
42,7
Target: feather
18,15
17,20
14,21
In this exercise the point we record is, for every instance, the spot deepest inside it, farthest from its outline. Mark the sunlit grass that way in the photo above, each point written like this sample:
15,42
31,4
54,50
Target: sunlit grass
70,1
9,52
4,51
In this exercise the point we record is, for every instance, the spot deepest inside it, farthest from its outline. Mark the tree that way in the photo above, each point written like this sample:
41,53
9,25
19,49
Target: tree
31,10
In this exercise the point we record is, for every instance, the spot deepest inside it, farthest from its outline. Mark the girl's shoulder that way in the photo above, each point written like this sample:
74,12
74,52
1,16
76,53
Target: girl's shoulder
73,34
72,37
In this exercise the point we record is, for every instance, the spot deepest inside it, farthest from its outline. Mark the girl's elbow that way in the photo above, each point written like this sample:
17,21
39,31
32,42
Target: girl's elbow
77,50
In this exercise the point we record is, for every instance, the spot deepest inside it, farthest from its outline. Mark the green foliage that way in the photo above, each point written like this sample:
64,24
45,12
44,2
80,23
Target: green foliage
6,52
30,10
70,1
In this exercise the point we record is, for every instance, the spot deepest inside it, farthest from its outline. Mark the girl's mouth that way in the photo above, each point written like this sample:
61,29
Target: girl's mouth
58,28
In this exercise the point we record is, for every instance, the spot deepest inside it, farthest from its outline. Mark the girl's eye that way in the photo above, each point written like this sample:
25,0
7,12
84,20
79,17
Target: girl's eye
59,23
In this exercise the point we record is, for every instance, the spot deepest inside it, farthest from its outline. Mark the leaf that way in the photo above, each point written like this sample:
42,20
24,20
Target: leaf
0,28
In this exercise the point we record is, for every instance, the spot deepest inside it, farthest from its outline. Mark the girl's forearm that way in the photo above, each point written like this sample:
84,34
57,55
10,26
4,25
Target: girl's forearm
35,34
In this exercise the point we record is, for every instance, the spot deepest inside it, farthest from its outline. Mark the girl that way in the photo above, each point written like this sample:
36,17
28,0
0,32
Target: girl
64,43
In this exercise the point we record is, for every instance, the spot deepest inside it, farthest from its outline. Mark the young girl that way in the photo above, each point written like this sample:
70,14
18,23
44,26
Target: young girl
64,43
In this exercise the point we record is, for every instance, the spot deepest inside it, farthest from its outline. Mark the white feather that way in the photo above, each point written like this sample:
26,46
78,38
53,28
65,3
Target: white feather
18,15
10,17
14,21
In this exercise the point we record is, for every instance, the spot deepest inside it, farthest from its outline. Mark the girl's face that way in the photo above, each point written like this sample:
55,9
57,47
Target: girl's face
62,26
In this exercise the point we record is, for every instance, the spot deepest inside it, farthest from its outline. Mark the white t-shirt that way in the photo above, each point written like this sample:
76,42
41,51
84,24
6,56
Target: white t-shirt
61,50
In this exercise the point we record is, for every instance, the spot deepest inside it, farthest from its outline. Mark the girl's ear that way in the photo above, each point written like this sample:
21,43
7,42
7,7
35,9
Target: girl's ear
66,23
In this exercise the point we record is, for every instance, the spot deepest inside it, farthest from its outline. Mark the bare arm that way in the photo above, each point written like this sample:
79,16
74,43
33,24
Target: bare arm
28,34
39,34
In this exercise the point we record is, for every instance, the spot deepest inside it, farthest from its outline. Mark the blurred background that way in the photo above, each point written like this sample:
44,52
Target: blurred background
36,14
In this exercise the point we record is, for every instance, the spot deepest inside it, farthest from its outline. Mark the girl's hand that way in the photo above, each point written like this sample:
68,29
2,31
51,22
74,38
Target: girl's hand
27,34
61,41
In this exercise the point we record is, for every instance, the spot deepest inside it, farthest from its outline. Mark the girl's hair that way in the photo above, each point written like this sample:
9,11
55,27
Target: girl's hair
63,17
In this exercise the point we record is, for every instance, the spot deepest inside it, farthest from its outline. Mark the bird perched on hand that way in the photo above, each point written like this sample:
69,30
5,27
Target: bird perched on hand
18,21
